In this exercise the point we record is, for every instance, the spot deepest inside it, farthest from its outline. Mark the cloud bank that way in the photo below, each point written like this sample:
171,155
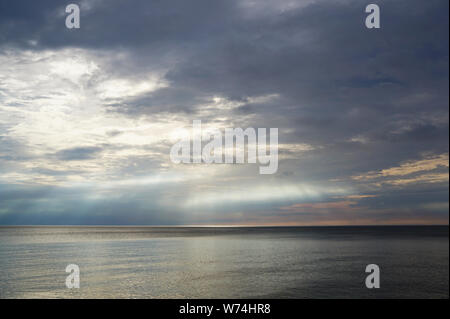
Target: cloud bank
88,116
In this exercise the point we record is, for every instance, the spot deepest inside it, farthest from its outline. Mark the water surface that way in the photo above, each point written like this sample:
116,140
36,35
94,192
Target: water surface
187,262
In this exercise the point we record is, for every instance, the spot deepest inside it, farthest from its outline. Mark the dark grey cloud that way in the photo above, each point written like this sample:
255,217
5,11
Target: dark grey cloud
78,153
365,99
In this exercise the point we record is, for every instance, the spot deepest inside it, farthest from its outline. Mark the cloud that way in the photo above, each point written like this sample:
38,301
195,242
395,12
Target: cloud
91,114
417,166
77,153
304,207
419,171
260,194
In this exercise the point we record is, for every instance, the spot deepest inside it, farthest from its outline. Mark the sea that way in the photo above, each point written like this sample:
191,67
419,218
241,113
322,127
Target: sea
224,262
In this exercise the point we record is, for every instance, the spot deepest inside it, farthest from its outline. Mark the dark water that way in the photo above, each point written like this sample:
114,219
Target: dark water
173,262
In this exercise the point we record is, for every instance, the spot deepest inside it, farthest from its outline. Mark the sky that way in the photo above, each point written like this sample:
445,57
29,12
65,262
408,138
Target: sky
88,116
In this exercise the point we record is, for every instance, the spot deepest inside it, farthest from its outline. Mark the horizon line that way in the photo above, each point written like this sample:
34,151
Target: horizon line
223,226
